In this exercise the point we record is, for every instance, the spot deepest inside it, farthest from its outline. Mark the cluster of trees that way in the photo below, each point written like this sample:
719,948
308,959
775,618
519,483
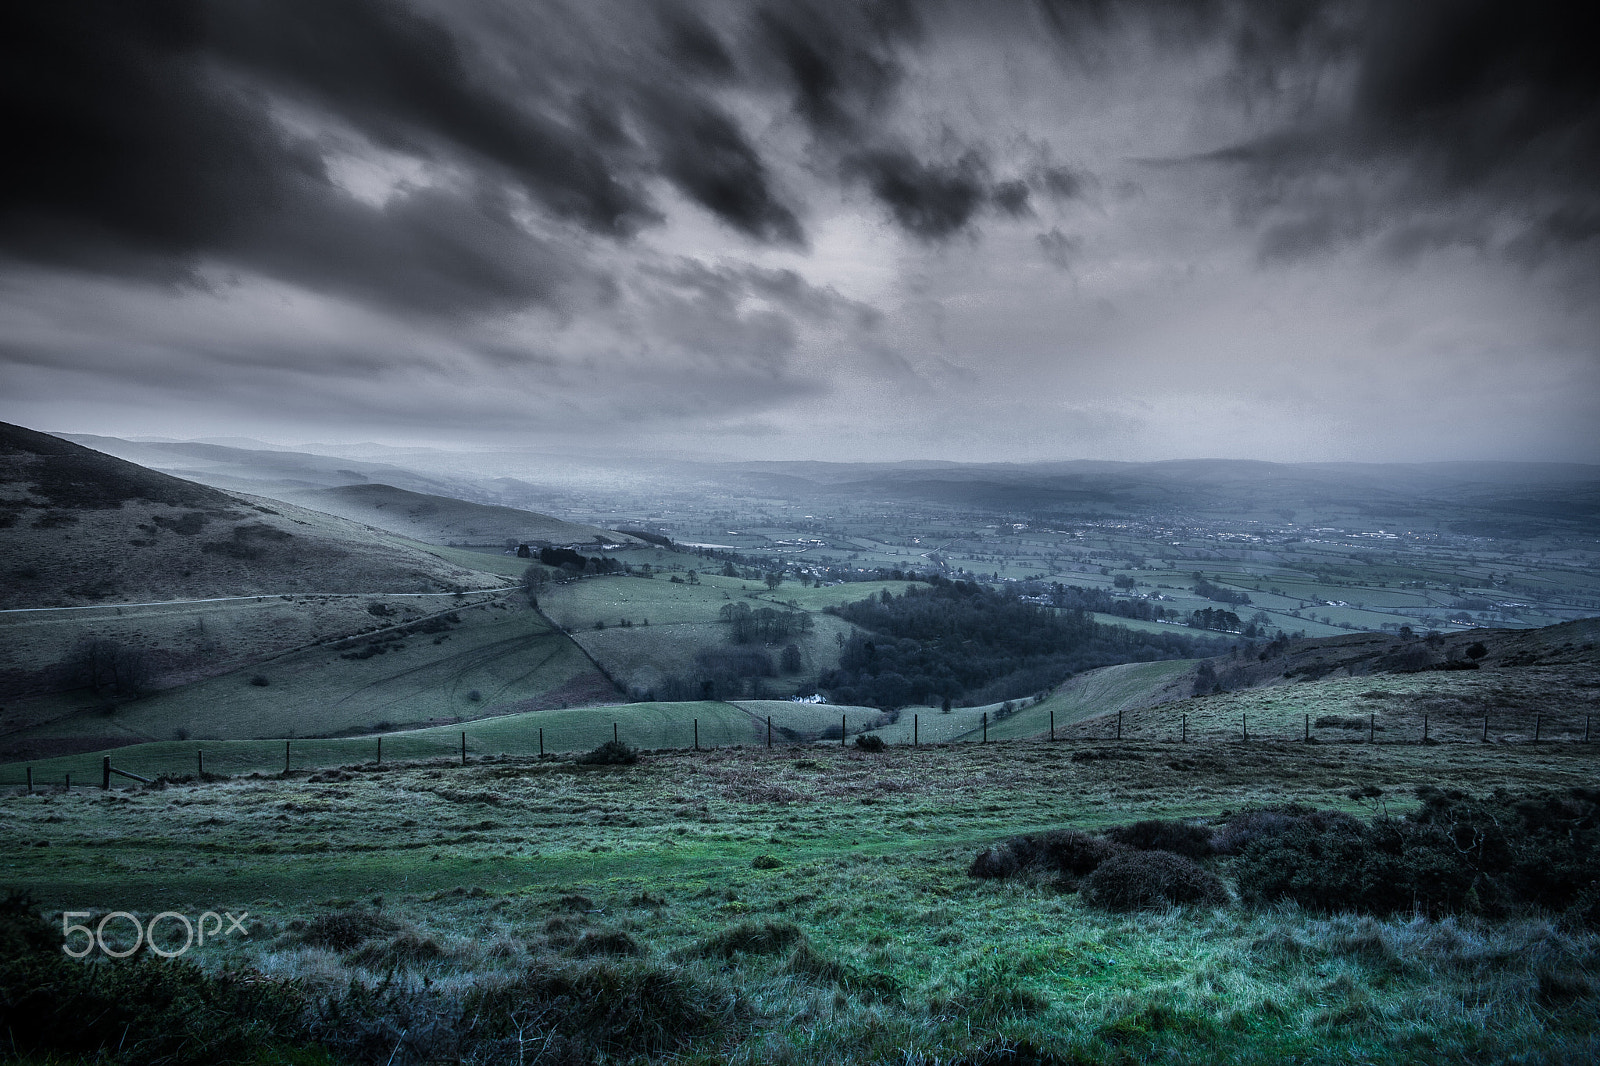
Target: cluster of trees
1077,598
1217,594
107,667
966,642
1216,618
763,625
567,559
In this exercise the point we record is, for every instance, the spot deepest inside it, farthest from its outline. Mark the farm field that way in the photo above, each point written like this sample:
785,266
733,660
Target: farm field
419,667
822,898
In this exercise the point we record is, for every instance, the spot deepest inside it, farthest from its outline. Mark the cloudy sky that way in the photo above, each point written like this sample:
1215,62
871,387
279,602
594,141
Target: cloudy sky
840,229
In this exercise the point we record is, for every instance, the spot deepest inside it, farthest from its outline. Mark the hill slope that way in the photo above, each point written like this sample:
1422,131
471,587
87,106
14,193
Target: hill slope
85,537
78,527
444,519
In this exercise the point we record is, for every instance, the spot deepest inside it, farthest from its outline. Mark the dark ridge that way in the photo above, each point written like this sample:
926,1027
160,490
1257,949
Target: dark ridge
59,473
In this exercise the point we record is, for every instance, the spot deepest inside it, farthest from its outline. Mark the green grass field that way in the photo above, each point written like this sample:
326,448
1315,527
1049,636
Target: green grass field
640,725
493,657
825,903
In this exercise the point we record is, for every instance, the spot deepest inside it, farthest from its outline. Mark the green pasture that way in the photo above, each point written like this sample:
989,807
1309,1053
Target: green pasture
504,656
639,725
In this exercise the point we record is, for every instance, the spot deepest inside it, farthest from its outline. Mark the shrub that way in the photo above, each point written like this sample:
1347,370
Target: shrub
766,862
259,680
611,753
1137,879
151,1010
994,862
869,742
1069,852
1074,852
1180,838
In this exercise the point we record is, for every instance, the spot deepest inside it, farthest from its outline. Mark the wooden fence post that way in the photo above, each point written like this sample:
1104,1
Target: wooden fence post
1119,725
841,730
30,780
105,773
380,751
200,764
1586,729
1244,720
1486,729
69,782
769,730
616,738
1052,723
286,756
1536,724
697,734
917,740
985,727
541,742
1185,739
1308,729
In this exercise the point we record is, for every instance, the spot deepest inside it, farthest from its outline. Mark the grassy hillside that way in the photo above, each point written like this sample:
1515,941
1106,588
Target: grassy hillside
459,662
78,527
684,621
575,729
443,519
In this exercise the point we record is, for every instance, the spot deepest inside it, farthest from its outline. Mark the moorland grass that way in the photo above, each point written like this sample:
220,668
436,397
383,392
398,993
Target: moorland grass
518,888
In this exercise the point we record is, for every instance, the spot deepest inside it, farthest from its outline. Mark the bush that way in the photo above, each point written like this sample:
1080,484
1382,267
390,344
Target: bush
1180,838
1068,852
1074,852
151,1010
870,742
611,753
1337,865
995,862
1136,879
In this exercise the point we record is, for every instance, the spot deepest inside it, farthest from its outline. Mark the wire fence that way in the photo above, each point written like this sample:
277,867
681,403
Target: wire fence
494,739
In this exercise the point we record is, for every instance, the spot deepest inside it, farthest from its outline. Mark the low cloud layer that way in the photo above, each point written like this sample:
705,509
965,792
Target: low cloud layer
1134,229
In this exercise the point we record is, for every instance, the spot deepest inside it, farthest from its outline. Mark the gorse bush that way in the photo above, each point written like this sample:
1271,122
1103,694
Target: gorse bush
1457,854
148,1009
611,753
1135,879
1180,838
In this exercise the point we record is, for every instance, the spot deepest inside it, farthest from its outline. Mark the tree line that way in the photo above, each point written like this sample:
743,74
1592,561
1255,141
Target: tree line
971,644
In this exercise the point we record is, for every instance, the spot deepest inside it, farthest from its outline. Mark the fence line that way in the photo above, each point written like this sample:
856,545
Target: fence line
1097,731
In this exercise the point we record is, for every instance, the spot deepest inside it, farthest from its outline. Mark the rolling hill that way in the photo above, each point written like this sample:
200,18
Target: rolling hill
444,519
78,527
120,582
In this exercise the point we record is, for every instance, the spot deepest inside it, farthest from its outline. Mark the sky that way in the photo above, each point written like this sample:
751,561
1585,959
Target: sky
985,230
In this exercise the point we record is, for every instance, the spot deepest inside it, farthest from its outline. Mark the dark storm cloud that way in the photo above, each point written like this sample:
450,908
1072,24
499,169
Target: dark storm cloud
1486,108
148,137
704,153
